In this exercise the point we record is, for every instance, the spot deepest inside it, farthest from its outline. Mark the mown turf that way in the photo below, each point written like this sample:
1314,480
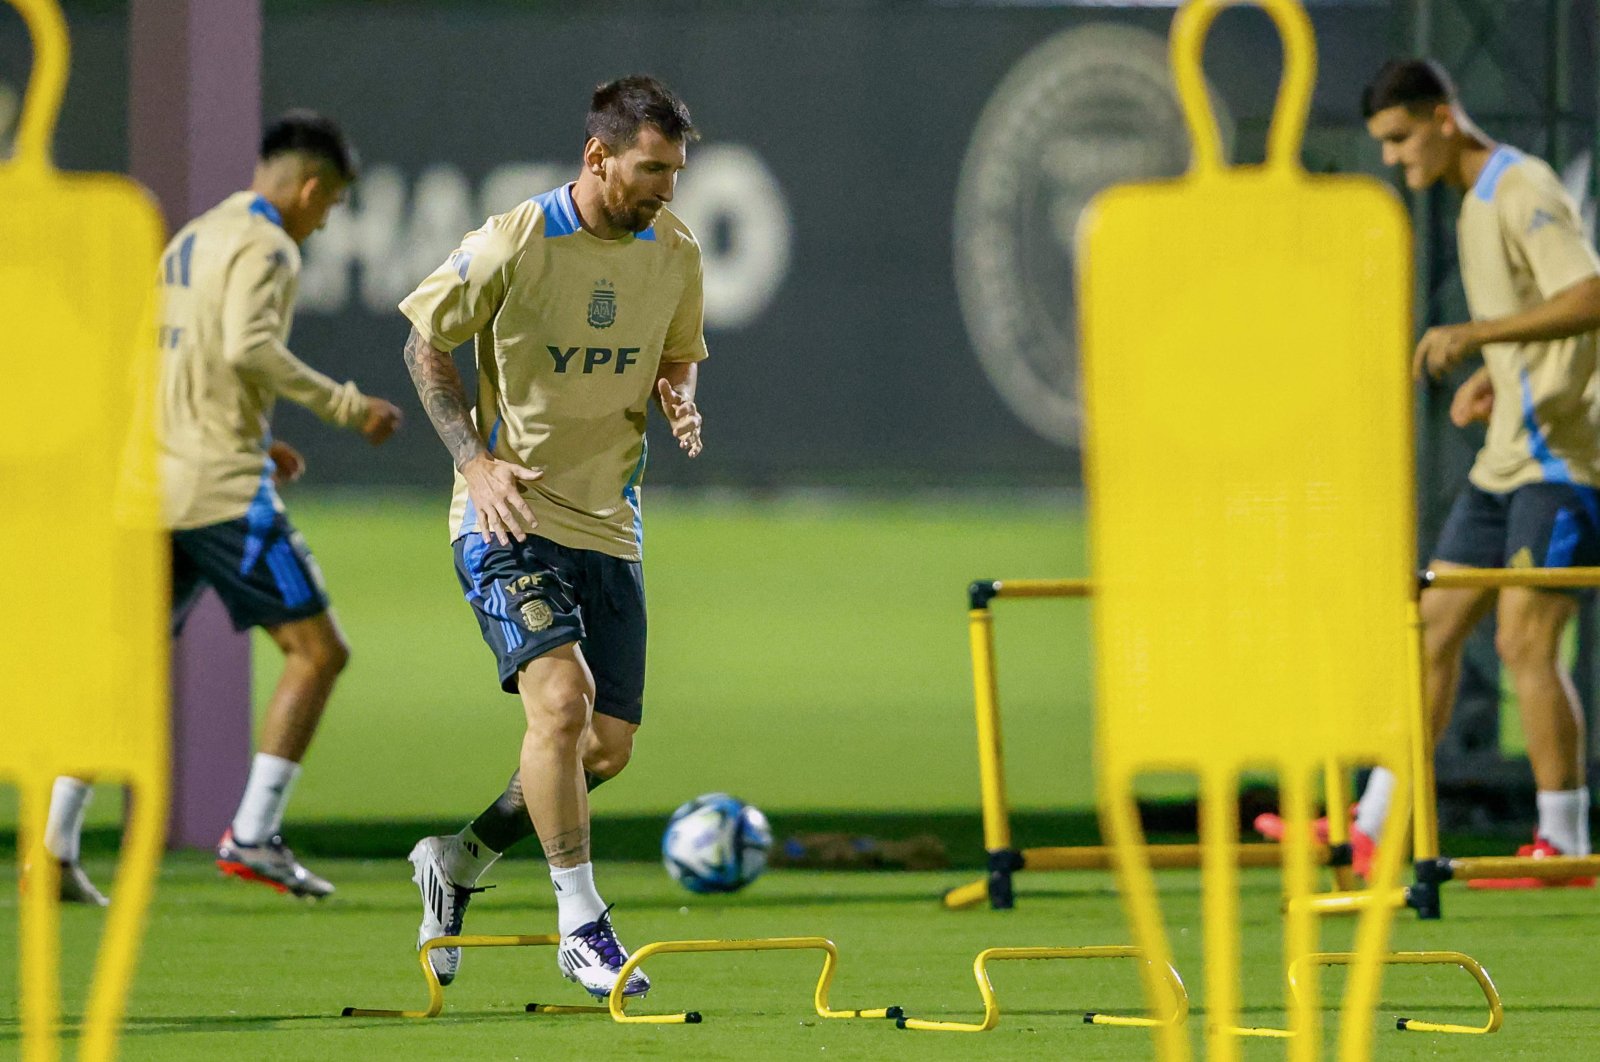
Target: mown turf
232,971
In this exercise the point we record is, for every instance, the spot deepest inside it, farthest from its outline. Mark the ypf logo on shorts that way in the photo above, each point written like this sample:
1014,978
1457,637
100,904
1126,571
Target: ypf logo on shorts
1088,108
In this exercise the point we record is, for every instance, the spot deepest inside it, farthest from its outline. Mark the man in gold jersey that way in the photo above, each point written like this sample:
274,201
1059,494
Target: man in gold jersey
228,286
585,307
1533,285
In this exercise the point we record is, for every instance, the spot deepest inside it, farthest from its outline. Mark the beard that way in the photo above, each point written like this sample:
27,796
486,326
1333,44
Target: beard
629,217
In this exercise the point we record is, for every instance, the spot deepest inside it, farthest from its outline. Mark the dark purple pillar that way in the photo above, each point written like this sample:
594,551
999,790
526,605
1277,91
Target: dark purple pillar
194,124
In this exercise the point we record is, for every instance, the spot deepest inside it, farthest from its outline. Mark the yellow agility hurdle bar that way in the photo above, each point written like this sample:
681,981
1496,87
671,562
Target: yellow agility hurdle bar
436,990
617,1002
1430,867
1004,860
1491,995
991,1004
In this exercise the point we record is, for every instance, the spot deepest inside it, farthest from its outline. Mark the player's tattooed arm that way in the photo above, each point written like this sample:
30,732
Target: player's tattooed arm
439,386
574,844
494,486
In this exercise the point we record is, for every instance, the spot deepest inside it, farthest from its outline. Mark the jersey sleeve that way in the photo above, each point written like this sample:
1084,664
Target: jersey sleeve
455,301
686,339
256,302
1542,225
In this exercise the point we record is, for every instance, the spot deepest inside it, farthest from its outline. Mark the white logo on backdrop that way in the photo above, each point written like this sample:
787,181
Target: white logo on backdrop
1088,108
396,231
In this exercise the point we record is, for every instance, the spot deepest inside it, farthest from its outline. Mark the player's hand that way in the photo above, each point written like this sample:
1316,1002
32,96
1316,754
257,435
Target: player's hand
495,488
383,419
1442,348
1473,401
287,464
683,415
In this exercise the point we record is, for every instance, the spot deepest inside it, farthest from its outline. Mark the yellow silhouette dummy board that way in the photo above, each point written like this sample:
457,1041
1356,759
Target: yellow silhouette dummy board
1249,469
83,562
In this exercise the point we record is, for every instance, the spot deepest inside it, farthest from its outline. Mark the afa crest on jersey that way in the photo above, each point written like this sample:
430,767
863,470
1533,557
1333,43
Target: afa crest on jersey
603,305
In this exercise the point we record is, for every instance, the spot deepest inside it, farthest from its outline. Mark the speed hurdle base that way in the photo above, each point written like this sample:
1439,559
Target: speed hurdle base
436,990
991,1004
1004,861
617,1002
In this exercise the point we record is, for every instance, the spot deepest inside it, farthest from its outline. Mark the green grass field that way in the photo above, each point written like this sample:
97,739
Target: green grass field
232,971
811,656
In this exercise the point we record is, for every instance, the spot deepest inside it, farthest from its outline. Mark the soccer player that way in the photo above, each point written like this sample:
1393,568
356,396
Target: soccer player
585,305
1533,285
228,285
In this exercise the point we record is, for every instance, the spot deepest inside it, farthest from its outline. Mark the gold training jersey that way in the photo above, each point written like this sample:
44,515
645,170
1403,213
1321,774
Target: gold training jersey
1520,243
228,285
570,331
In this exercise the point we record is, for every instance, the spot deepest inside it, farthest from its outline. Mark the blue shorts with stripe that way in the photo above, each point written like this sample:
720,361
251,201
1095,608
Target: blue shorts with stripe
1540,525
258,565
535,595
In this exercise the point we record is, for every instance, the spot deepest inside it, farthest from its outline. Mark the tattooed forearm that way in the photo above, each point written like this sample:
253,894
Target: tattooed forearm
439,386
574,844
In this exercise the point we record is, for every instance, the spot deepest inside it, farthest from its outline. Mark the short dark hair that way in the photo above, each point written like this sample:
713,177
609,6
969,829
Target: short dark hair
302,132
1415,84
620,108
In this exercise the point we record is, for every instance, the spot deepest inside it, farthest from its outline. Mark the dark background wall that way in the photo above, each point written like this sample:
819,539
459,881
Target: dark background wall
886,191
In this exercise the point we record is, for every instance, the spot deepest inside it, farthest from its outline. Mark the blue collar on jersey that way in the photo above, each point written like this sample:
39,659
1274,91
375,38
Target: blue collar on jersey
561,214
259,205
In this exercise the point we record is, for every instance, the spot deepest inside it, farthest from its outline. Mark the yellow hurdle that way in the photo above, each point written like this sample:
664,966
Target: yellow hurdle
997,887
991,1004
436,990
618,1002
1300,969
85,663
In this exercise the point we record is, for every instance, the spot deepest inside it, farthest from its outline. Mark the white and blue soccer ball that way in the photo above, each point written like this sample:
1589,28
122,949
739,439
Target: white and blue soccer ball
716,843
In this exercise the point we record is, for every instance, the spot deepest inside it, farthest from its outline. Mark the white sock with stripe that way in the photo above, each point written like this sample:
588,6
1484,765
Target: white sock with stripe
1564,819
1373,807
260,814
466,857
577,902
63,827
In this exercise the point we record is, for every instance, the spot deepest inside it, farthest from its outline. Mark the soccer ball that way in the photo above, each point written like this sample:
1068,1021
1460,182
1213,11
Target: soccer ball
716,843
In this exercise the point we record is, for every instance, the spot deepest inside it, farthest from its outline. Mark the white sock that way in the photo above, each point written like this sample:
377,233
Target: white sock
69,797
466,857
260,814
576,901
1373,807
1564,819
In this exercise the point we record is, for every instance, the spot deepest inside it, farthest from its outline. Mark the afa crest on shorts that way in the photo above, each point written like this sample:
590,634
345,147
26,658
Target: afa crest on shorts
603,305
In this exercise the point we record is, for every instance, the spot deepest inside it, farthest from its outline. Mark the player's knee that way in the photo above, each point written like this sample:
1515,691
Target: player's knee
608,756
1521,649
323,652
559,709
330,655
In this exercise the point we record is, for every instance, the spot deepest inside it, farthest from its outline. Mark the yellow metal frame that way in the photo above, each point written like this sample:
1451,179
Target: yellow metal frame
436,990
1004,861
991,1003
617,1002
1491,995
1432,868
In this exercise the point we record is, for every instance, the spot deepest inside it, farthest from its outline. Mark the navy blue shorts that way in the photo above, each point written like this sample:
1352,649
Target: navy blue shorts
259,566
1540,525
534,596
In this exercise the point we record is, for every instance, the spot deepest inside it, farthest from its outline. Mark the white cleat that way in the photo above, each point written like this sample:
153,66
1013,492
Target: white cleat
592,956
272,864
444,905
